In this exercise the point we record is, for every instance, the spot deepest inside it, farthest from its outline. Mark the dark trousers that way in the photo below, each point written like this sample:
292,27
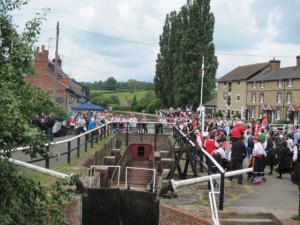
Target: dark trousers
237,165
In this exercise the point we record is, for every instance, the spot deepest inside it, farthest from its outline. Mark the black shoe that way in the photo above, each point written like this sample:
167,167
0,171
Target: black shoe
240,183
270,173
279,177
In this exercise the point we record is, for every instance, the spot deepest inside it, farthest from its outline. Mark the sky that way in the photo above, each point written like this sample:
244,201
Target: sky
99,39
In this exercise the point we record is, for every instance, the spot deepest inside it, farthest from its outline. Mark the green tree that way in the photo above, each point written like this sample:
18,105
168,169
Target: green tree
115,99
111,84
134,102
187,37
22,200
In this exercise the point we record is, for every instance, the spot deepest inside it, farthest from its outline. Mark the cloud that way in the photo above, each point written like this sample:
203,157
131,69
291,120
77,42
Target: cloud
100,39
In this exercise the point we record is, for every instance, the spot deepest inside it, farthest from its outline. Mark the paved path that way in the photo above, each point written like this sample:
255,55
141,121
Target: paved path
279,196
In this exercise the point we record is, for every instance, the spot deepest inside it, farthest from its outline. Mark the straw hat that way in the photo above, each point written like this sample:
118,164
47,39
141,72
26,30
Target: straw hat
197,132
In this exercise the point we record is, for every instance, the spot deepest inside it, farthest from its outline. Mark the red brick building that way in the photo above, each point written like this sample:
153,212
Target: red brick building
65,90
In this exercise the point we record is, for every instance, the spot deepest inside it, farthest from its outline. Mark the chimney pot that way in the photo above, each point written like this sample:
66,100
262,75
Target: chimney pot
298,61
43,48
274,64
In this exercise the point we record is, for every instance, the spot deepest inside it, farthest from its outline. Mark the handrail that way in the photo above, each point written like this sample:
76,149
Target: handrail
139,168
213,204
66,140
104,167
52,173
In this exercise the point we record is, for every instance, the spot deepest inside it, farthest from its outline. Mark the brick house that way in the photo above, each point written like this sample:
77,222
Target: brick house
261,88
65,90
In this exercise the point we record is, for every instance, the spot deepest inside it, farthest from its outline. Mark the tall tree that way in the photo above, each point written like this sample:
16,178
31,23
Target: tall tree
111,84
187,37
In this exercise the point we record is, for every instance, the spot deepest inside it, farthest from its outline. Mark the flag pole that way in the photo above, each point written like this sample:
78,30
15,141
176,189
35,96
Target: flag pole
201,108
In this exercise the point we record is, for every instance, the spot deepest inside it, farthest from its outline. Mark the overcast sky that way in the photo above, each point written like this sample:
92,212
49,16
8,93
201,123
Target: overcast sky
119,38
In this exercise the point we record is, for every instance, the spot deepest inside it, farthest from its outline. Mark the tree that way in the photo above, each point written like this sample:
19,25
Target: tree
111,84
186,37
22,201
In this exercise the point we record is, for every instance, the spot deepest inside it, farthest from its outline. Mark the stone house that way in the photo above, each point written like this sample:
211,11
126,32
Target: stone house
261,88
276,92
232,89
65,90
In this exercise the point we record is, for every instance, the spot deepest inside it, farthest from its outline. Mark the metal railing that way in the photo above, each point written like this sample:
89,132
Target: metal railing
89,137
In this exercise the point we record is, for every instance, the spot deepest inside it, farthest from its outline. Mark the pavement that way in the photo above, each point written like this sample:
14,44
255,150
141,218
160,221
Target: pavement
278,196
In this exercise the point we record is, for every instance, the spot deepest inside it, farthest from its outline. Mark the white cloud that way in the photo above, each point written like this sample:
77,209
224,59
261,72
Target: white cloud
87,13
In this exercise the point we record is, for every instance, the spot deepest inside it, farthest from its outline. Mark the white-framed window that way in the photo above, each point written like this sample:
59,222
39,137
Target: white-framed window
238,97
254,84
253,112
262,84
238,82
225,96
261,98
278,114
279,97
289,83
289,98
279,83
253,97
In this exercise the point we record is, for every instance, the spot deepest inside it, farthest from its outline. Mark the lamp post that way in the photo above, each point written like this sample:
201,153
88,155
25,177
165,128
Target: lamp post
201,108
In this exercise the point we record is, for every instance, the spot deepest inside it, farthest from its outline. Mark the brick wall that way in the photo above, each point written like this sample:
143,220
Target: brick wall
172,216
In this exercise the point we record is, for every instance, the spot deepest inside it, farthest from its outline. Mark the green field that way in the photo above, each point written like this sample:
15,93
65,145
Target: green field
120,95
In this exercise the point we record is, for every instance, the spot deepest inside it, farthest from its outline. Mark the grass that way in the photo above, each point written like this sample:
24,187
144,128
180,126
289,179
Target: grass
296,217
121,95
74,167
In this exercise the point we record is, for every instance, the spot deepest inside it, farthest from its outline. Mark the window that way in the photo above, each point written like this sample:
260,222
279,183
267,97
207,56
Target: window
261,98
289,98
253,112
254,84
279,97
253,96
278,114
289,83
229,86
225,96
238,82
262,84
238,97
225,83
279,83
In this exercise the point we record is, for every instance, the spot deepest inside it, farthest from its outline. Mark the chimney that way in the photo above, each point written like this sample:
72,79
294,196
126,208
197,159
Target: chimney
298,61
43,48
38,49
59,61
274,64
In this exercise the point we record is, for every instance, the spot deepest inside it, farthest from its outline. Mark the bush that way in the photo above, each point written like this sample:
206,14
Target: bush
282,122
154,104
218,114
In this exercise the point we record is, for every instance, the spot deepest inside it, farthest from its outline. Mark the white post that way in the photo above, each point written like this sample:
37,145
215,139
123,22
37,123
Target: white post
201,107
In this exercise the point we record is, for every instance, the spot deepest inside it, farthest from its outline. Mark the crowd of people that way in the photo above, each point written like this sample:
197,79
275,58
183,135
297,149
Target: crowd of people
238,144
81,122
233,142
45,123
